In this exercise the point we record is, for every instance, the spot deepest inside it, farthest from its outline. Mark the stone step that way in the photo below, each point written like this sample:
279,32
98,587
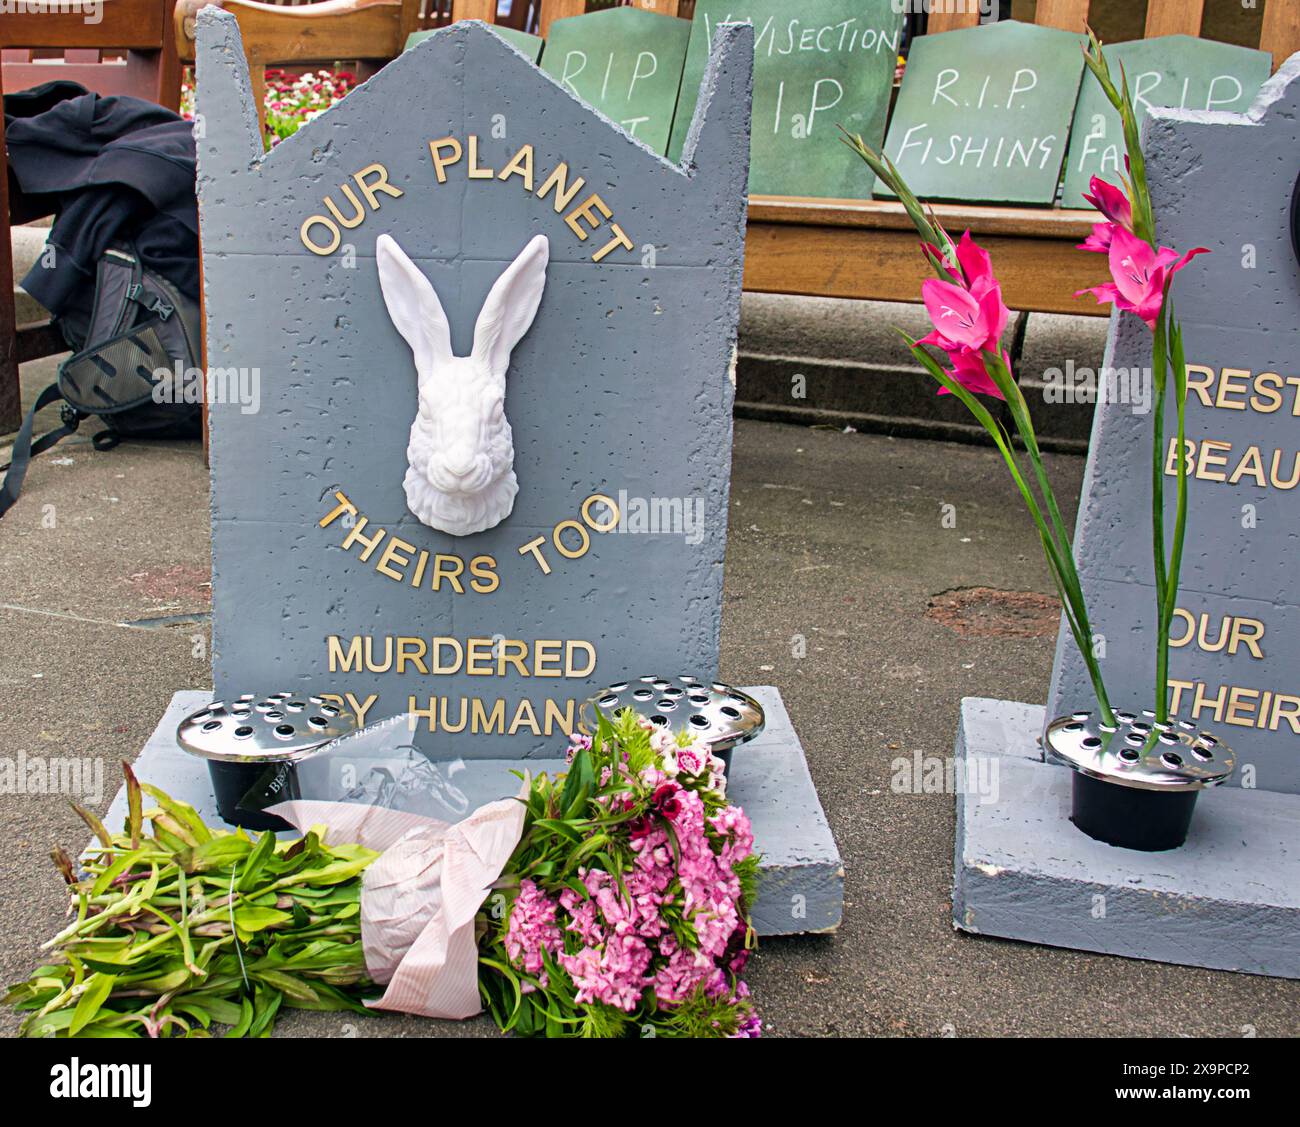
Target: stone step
843,363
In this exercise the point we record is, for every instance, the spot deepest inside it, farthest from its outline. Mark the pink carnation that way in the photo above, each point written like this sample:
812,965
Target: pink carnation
532,930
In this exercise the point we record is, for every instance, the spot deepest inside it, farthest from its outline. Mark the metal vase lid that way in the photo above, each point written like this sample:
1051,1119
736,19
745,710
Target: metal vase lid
1140,751
720,714
252,729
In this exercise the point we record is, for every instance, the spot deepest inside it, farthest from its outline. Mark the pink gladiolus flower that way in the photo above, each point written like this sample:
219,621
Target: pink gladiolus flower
1111,201
1116,207
961,318
1139,272
969,368
1099,241
974,268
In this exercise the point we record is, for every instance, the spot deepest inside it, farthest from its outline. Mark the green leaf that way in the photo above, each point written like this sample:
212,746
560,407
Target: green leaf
577,783
259,919
115,870
288,985
266,1005
507,972
564,829
220,1009
165,983
96,826
100,1031
334,873
219,852
133,815
95,995
245,1021
256,862
196,1011
184,814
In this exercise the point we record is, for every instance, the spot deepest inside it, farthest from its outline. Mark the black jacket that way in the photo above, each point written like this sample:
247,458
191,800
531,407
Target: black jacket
111,170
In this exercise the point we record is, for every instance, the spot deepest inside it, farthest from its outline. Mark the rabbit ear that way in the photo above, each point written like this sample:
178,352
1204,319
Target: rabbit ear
413,305
511,306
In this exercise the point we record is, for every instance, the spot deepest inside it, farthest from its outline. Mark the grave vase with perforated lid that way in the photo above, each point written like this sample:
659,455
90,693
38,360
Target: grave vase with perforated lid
254,742
719,715
1136,781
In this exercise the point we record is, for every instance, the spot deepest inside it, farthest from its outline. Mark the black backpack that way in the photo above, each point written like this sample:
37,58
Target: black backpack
134,366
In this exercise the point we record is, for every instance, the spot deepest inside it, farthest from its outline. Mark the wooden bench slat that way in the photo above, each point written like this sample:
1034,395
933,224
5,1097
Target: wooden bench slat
484,10
554,10
952,21
1174,17
1280,33
312,33
660,7
1038,275
981,219
1068,15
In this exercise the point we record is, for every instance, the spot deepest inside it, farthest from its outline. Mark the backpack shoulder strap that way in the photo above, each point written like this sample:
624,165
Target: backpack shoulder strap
25,449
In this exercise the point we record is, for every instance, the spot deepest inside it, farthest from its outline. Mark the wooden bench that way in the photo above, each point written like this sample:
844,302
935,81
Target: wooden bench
856,248
139,32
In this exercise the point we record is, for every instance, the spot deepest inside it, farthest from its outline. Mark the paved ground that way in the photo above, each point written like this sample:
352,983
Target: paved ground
835,538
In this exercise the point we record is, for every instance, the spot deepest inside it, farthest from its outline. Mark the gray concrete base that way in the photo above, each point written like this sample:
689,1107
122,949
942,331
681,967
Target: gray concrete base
802,884
1228,899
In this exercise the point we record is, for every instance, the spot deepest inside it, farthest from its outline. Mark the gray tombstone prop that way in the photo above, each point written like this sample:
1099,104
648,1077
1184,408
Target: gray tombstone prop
620,388
1238,306
1230,897
621,385
527,45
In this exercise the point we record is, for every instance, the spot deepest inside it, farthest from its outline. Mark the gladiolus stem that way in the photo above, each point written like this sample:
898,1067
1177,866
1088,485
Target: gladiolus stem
1170,338
1159,368
1051,528
1060,560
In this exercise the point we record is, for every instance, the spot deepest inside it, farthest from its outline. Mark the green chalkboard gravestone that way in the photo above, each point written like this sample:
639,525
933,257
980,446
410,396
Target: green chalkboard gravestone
984,113
530,46
817,64
624,62
1174,70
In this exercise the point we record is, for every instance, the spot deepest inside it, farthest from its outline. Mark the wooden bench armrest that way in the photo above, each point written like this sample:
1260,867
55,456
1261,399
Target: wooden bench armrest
1032,223
318,33
135,25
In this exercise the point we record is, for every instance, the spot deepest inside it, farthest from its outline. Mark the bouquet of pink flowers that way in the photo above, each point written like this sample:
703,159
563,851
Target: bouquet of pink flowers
624,910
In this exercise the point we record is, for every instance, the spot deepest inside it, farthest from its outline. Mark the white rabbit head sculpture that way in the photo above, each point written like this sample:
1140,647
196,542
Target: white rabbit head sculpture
460,477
